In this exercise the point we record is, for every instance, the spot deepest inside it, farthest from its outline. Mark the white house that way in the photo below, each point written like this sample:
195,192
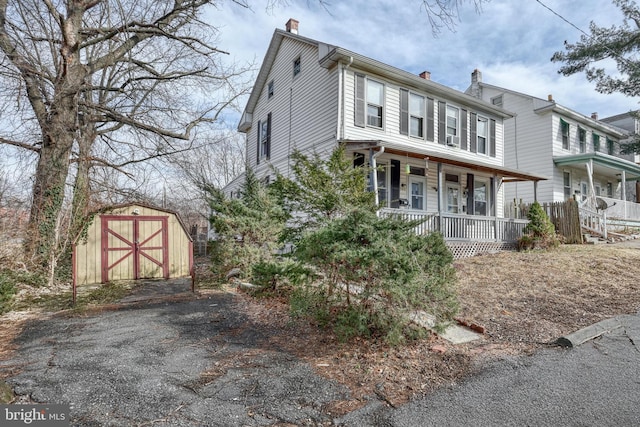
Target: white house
439,153
629,122
578,153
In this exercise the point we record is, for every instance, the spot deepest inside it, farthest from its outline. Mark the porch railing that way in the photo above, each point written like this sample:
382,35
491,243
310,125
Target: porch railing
463,227
593,221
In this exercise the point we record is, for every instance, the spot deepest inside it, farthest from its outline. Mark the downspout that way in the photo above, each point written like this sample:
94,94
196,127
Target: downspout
374,173
341,83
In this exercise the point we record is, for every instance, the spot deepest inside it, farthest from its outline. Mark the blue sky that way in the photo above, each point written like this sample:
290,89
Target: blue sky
510,41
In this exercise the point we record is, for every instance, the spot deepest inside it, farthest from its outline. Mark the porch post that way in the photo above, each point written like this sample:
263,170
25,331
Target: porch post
624,192
535,191
494,198
440,196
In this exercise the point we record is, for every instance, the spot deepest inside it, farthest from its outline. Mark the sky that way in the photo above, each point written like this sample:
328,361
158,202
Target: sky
509,41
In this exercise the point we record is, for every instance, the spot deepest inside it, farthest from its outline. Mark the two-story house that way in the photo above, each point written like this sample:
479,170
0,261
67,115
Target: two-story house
436,152
578,153
628,121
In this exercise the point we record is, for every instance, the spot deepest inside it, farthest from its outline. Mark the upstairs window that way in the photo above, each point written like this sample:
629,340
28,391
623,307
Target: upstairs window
296,66
596,142
482,134
264,139
611,147
412,114
453,117
582,140
270,89
369,102
564,132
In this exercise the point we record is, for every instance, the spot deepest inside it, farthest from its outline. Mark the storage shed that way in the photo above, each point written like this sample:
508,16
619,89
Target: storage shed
130,242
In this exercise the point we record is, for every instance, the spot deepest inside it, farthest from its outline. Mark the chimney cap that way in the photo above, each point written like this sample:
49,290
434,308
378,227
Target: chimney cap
292,26
425,75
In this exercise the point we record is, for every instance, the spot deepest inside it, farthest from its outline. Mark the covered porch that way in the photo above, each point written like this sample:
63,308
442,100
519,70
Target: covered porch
461,198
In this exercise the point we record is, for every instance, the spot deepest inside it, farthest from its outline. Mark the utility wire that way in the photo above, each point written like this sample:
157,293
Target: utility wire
563,18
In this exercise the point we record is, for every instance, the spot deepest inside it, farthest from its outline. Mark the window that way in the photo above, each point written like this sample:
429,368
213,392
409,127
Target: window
566,178
452,120
482,134
375,101
610,147
264,138
480,197
609,189
596,142
270,89
412,114
296,66
418,186
583,191
564,131
582,140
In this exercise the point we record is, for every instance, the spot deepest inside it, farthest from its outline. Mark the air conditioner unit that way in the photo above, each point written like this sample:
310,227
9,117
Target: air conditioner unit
453,141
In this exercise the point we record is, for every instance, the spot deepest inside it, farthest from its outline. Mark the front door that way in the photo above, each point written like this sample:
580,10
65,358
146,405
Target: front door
418,188
453,198
134,247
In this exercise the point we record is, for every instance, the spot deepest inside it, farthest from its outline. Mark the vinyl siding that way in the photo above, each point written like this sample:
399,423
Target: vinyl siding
304,108
391,123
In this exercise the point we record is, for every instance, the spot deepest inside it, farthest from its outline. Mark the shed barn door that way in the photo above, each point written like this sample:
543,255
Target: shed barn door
134,247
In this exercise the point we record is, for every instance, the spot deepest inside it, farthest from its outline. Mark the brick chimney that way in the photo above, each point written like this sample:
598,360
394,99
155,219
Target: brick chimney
550,98
425,75
292,26
476,79
594,116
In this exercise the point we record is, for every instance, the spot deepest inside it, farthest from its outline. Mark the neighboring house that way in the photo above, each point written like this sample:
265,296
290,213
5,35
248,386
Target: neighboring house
629,122
578,153
438,153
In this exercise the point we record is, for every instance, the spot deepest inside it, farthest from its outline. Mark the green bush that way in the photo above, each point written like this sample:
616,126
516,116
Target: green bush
540,232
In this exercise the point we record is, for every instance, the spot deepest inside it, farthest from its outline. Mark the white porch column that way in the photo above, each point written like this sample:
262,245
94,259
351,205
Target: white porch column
623,192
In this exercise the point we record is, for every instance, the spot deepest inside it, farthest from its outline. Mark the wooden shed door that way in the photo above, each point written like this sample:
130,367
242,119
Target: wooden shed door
134,247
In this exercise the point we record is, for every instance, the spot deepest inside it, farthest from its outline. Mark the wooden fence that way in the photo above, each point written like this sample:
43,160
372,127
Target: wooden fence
564,216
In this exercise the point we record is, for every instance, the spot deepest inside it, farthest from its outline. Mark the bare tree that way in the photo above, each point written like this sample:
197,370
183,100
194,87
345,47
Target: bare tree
109,84
445,13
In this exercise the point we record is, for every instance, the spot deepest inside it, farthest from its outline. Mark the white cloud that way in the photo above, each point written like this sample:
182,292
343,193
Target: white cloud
511,42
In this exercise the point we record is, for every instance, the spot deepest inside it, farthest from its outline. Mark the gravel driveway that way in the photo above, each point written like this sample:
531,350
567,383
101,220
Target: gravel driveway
181,363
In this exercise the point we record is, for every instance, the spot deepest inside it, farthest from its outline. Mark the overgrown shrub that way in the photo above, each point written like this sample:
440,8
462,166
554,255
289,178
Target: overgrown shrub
540,232
376,273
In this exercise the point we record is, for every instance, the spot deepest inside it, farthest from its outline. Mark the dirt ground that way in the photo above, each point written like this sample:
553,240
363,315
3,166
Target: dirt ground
524,301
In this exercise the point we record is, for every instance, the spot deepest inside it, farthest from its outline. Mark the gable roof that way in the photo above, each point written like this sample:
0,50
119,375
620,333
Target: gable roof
329,56
544,106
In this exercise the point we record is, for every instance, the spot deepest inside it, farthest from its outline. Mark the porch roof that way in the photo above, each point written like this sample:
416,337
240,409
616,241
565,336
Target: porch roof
602,163
508,174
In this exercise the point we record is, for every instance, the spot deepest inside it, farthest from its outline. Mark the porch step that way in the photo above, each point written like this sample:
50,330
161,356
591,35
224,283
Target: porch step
594,240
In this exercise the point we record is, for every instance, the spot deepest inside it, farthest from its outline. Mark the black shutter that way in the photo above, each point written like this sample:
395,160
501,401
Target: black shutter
404,112
259,142
268,153
395,183
492,138
473,145
359,101
463,130
430,119
442,122
471,209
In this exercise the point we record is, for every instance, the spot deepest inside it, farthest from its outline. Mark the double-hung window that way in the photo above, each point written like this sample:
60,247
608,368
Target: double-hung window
596,142
412,114
582,139
564,132
482,130
369,102
264,138
566,182
297,66
453,117
610,147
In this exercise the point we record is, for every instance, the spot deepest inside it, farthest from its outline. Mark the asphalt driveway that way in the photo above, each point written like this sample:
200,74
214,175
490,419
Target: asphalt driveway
201,362
188,363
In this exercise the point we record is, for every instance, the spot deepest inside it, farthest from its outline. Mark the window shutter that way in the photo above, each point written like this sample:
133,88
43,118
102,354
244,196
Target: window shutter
259,142
442,122
430,119
404,112
395,184
268,153
470,184
360,100
492,138
473,145
463,130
